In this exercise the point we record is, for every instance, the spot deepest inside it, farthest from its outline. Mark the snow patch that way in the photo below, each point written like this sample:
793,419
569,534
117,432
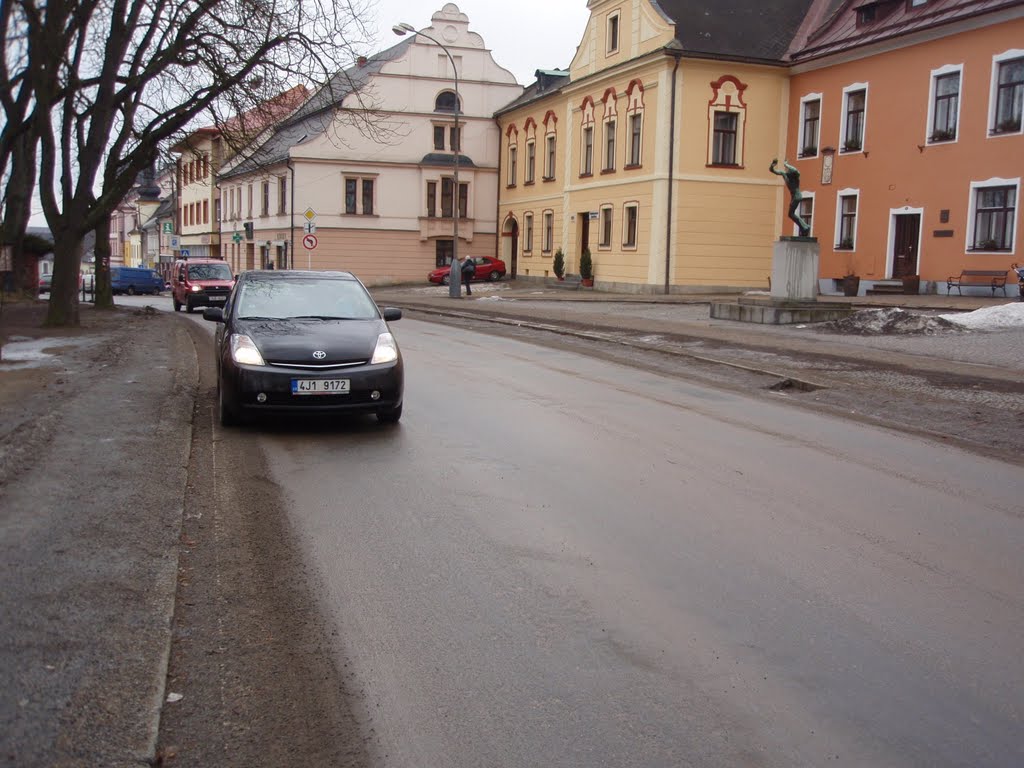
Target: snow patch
990,318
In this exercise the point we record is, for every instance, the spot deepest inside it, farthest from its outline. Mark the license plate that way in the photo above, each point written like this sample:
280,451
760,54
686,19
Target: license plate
320,386
218,299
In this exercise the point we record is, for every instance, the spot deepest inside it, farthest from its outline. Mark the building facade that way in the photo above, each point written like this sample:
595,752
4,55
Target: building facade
362,176
905,124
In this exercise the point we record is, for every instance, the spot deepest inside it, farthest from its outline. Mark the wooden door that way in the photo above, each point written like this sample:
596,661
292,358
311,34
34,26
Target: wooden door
908,234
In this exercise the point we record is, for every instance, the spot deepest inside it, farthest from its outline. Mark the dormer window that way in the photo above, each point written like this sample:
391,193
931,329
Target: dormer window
613,33
865,15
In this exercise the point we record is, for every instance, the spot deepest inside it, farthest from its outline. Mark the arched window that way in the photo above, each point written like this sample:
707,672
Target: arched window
447,101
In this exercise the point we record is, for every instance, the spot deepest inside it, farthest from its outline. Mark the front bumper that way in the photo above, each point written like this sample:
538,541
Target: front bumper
374,388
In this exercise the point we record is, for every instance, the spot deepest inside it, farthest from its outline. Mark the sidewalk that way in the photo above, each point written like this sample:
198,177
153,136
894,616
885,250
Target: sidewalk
658,321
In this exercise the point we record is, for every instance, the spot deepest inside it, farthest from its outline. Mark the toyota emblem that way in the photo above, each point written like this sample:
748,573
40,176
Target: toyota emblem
319,354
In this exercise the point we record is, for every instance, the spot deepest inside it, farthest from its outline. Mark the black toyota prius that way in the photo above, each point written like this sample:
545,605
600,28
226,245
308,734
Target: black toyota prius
305,342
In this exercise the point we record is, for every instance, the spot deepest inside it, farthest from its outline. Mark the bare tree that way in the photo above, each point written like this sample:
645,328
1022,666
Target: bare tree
114,81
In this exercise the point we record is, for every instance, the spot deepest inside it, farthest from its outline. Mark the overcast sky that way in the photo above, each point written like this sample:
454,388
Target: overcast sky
523,36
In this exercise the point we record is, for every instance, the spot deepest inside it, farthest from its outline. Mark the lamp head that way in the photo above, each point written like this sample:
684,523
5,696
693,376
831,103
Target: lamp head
402,28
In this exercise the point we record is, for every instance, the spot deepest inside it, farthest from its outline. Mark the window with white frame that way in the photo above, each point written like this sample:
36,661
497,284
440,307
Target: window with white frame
439,133
549,231
609,145
631,223
531,161
613,32
265,210
282,194
587,168
513,156
944,104
854,122
359,195
806,212
549,156
636,123
527,233
847,204
605,239
810,125
431,199
1007,93
723,146
993,215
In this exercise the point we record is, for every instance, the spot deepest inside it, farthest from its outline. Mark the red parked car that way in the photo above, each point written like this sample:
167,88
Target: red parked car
487,268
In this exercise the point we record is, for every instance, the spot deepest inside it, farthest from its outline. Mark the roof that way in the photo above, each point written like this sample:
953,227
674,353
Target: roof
439,160
548,81
316,115
743,30
837,29
252,121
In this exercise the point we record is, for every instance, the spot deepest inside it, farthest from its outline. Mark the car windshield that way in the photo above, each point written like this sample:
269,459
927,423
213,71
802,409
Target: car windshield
209,272
312,298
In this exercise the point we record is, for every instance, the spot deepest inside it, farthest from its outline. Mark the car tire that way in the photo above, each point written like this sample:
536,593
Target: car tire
225,408
131,290
446,280
188,306
390,416
494,276
177,305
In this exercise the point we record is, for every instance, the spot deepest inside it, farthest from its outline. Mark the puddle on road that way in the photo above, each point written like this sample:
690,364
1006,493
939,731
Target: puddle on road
22,352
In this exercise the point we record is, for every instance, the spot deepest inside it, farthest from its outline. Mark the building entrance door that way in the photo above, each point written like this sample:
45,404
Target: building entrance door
907,236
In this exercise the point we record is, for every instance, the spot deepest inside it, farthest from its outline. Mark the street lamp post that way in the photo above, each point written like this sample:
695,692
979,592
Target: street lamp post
455,273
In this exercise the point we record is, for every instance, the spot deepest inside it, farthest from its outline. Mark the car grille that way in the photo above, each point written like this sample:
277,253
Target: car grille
217,291
317,367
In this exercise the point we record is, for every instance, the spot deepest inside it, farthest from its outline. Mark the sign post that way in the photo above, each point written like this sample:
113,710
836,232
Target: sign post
309,242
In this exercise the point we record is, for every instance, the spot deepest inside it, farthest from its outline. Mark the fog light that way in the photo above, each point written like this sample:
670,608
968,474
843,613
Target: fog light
261,397
375,395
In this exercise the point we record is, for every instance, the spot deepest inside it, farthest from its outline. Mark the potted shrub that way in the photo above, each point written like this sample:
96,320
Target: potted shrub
846,244
1009,125
851,284
558,265
586,268
945,135
851,145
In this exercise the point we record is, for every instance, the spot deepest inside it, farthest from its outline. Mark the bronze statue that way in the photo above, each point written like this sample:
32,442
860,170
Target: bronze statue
792,177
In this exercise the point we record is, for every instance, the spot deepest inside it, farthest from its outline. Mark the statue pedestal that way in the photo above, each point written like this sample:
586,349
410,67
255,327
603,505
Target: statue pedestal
795,269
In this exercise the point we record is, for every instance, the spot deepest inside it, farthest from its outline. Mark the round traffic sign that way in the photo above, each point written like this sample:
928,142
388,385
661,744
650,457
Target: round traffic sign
309,242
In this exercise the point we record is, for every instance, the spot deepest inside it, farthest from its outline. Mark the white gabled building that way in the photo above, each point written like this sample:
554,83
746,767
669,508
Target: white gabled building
370,156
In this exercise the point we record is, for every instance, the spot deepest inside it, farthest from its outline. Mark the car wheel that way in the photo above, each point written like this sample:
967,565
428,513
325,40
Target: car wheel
131,290
391,416
177,305
446,280
225,408
188,306
495,275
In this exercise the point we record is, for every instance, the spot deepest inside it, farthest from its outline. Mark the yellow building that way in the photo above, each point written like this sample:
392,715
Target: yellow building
653,149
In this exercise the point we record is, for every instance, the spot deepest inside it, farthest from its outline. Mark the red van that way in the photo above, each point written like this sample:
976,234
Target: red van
200,282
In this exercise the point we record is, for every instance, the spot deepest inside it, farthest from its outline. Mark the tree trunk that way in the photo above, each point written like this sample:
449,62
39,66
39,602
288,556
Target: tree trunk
64,307
104,293
17,213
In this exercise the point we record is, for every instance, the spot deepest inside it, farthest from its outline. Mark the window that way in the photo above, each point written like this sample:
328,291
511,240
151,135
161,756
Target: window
609,145
282,194
206,212
216,210
549,158
632,212
513,153
549,231
723,150
806,212
810,125
636,122
846,226
531,160
1009,95
527,233
945,106
463,200
855,99
455,139
351,191
606,228
439,137
994,213
446,101
447,201
265,210
431,199
368,197
588,151
250,202
613,33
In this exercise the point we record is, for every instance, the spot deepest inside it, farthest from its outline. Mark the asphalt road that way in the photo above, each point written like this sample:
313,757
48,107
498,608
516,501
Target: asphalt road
557,561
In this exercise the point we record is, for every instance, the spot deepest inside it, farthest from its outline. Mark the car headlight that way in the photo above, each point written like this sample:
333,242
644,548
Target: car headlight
243,350
386,351
195,289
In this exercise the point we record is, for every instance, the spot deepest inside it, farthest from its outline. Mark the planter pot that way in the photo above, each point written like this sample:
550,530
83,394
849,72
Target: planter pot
587,282
851,285
561,279
912,285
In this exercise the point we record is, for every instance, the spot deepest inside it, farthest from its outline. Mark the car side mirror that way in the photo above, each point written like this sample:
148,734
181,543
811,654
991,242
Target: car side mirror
214,314
392,313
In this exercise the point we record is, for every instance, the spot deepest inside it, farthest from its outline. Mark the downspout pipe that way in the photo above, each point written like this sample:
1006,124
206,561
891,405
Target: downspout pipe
291,217
677,55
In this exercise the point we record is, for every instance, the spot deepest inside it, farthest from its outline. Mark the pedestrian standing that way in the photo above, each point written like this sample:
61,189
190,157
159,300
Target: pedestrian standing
468,270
